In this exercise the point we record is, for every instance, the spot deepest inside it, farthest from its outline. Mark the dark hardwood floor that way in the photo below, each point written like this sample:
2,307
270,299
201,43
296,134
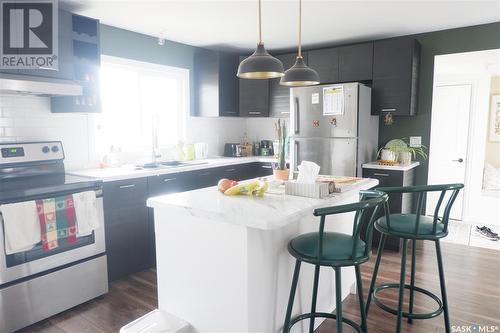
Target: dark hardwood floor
473,278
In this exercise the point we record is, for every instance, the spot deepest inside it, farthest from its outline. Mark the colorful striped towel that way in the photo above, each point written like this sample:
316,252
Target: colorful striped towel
57,221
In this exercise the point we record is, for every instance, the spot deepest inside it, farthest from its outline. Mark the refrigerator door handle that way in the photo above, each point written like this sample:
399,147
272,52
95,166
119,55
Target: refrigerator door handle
296,116
295,155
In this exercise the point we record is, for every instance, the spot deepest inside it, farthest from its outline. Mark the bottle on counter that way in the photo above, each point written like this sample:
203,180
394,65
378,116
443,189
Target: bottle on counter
256,148
246,147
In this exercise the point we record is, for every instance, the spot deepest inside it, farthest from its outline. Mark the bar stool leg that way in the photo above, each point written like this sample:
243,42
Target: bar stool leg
412,281
402,285
381,245
315,295
443,288
338,298
295,279
361,299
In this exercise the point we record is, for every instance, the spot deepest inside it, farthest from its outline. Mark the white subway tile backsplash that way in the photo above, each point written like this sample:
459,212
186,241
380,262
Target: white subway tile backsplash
28,118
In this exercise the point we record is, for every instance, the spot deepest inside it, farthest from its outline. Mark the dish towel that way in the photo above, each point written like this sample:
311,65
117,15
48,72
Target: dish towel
21,226
87,219
57,221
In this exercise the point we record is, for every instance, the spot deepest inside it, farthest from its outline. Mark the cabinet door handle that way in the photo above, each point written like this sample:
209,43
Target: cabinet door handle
230,112
389,110
381,174
295,155
296,116
168,179
126,186
203,174
460,160
230,170
285,112
254,112
266,166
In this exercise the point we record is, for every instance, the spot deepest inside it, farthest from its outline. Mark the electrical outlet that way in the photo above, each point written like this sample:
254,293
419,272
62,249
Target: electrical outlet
415,141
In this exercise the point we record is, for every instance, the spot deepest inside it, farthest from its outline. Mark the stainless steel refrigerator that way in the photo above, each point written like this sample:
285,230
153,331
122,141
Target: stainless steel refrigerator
331,125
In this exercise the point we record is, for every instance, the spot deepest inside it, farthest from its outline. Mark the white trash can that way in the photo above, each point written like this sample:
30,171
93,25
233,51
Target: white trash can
156,321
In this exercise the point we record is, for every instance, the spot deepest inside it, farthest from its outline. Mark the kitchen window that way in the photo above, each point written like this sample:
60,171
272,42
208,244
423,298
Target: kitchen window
140,102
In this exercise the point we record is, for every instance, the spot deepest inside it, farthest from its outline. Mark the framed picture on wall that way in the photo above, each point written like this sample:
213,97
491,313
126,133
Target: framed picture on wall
495,118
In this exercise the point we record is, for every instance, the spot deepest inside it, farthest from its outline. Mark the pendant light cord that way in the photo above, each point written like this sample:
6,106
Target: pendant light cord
300,30
260,23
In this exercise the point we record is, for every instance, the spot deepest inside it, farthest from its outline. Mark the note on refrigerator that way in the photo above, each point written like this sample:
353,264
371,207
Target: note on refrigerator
333,100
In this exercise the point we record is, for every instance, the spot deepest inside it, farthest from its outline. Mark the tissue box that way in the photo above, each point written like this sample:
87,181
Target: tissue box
315,190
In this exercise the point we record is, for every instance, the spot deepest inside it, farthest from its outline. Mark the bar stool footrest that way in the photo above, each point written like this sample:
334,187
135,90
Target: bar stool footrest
323,315
427,315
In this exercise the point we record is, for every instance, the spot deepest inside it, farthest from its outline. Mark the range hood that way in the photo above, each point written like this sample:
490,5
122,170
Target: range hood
34,85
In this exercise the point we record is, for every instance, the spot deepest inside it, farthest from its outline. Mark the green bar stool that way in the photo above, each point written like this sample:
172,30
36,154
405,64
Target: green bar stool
335,250
414,227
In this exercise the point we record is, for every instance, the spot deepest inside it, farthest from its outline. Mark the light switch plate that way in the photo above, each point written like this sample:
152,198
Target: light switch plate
415,141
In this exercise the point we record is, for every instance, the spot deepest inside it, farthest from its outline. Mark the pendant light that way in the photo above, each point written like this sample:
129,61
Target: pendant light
299,75
260,65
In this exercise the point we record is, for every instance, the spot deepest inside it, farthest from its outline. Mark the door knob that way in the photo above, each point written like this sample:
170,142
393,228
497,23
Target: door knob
460,160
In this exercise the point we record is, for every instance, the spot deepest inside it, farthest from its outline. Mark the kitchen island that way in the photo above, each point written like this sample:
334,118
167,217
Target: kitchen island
223,264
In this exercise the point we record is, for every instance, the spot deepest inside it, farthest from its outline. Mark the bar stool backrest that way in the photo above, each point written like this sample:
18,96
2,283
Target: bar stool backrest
450,190
371,202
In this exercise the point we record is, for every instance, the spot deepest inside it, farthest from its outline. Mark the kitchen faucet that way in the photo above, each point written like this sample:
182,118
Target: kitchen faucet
154,138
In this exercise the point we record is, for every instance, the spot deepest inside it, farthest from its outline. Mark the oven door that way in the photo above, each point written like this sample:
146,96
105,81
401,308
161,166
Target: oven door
23,264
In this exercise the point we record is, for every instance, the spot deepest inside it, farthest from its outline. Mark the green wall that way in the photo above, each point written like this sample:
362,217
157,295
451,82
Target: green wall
123,43
475,38
127,44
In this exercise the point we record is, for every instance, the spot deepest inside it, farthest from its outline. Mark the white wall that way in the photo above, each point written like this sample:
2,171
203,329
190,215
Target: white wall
28,118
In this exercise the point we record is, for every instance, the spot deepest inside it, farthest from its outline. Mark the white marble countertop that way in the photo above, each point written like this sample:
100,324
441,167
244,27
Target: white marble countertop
130,172
274,210
399,167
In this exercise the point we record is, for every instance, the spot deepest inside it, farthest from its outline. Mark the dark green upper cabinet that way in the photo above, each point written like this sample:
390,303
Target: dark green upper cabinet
395,76
326,63
254,97
355,62
215,84
85,63
343,64
279,96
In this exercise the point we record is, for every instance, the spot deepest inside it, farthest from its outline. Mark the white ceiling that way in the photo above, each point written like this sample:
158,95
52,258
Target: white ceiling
233,24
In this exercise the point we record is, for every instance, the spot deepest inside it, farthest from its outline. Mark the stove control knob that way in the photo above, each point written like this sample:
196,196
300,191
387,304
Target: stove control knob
45,149
55,149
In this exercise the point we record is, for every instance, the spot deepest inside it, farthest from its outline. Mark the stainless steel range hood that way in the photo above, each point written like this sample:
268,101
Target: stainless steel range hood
33,85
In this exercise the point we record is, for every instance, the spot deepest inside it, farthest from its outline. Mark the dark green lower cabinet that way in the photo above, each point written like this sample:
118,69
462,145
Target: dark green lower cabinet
126,226
130,235
398,203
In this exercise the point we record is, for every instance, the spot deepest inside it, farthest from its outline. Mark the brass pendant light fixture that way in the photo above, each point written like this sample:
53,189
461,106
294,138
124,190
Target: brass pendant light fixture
260,65
299,75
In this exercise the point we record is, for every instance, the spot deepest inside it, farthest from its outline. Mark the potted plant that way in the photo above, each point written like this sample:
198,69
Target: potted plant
404,153
280,171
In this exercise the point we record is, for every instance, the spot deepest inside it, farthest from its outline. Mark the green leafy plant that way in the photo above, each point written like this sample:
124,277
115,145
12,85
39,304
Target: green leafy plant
280,128
403,145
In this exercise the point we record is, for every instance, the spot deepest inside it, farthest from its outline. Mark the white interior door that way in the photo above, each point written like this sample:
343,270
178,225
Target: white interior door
451,106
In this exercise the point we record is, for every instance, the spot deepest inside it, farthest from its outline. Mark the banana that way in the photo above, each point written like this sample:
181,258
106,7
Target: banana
262,189
254,187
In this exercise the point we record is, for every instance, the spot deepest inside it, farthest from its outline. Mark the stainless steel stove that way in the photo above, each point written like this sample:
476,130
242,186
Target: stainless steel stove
35,284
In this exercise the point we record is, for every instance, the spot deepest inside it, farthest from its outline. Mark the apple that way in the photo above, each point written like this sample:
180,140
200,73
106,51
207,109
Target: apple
224,184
